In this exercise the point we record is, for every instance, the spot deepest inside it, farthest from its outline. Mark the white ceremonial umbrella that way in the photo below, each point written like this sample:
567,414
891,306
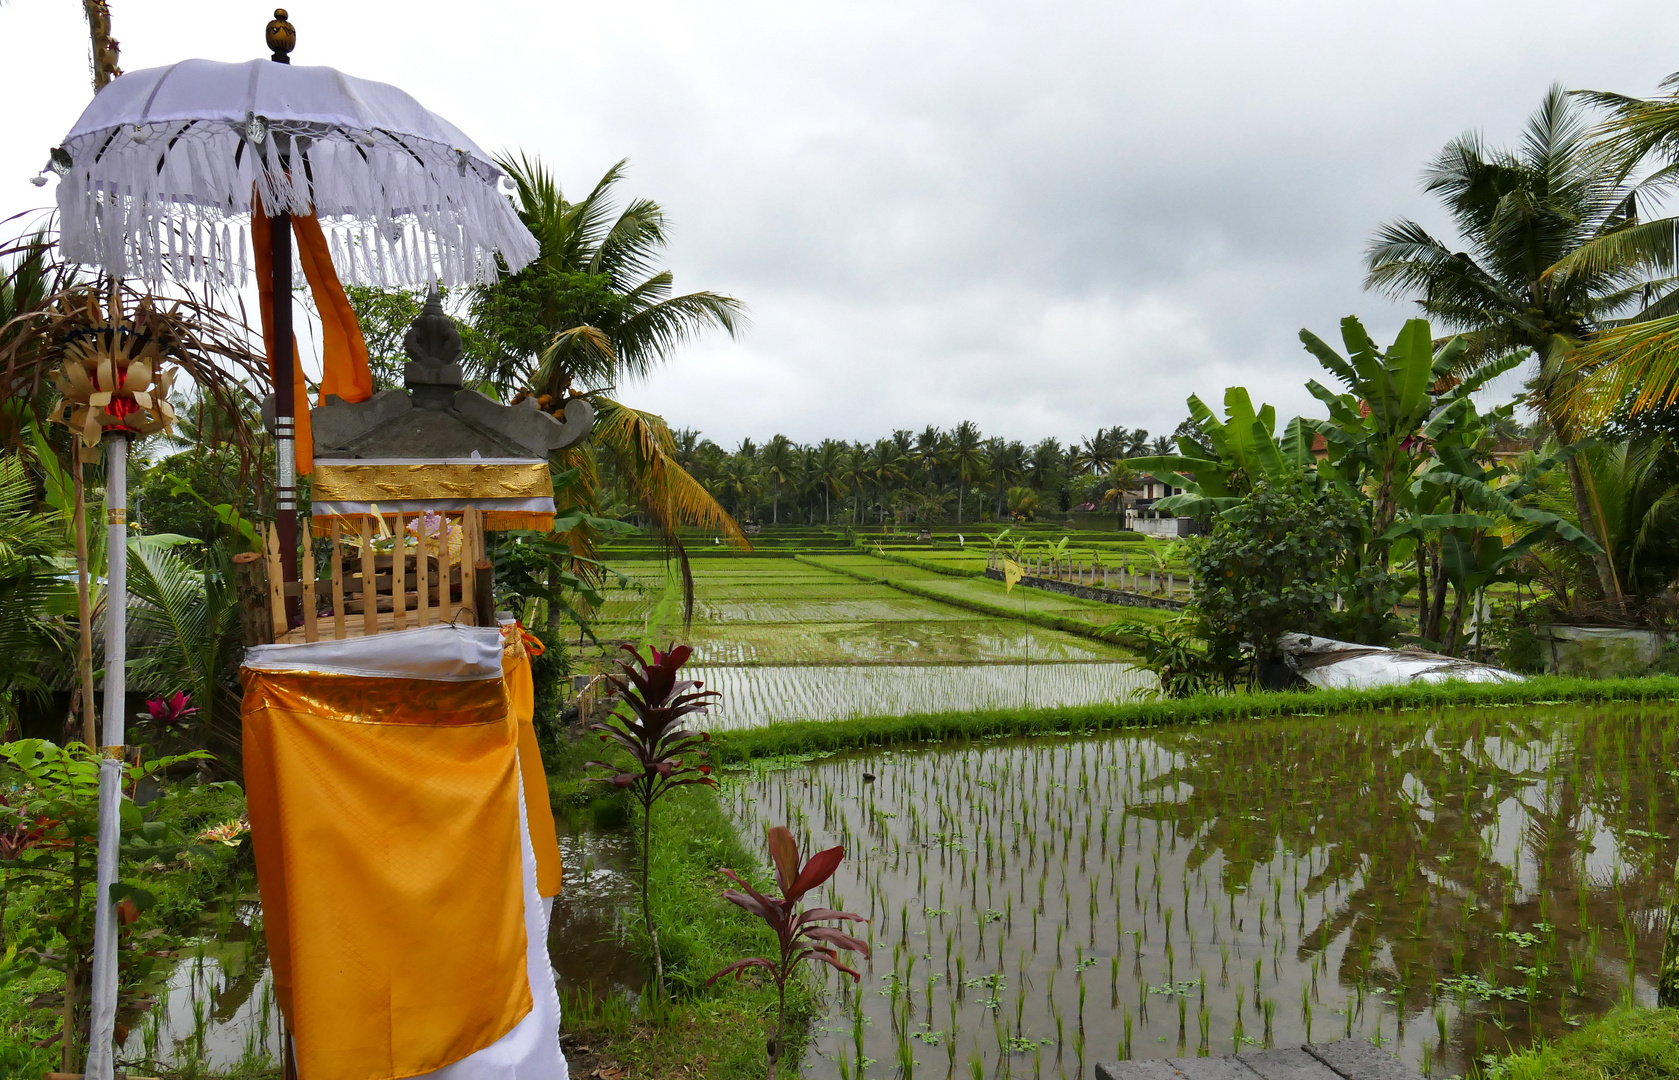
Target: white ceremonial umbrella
159,178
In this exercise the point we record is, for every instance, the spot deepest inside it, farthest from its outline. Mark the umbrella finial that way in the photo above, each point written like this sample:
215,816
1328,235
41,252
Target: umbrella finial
282,37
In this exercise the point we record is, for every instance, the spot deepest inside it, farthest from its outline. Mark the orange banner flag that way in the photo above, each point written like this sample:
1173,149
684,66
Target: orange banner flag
345,371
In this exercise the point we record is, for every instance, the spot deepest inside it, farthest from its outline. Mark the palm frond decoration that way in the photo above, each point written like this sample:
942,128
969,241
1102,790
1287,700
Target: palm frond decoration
672,499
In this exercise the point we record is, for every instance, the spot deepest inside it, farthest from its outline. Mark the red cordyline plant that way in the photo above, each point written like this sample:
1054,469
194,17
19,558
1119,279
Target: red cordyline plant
798,932
653,737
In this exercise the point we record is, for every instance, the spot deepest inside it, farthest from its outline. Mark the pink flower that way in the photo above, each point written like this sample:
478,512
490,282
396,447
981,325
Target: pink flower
173,709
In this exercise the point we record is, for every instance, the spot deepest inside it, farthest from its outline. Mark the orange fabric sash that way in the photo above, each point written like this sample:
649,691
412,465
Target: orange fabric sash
344,365
386,827
539,810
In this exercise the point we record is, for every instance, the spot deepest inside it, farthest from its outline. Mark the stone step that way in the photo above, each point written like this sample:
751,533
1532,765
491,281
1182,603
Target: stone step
1348,1059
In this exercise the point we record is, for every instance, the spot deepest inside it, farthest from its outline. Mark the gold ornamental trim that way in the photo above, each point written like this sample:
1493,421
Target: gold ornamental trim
431,480
116,515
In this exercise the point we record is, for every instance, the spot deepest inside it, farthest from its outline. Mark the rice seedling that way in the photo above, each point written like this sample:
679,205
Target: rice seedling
1360,863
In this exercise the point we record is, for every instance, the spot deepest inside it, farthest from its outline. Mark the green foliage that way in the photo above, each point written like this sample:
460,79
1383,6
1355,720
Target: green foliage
1630,1043
1185,664
30,589
186,629
1285,559
1247,451
385,316
51,821
202,493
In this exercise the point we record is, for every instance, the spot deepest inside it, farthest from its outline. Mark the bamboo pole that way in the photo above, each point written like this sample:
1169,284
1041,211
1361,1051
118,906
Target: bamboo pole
422,571
101,1051
337,572
369,581
311,631
399,576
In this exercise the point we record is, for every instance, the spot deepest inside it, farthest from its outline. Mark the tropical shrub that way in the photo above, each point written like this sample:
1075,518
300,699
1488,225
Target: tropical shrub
653,737
1287,559
800,934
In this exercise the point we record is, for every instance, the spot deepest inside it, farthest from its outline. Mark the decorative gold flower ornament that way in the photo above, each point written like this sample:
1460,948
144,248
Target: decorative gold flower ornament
112,377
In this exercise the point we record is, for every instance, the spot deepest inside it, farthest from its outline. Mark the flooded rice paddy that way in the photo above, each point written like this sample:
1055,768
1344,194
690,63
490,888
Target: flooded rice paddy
1449,885
765,695
788,640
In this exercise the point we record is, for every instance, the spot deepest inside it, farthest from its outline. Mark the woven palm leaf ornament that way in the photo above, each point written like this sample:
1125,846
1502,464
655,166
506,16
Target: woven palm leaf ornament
113,377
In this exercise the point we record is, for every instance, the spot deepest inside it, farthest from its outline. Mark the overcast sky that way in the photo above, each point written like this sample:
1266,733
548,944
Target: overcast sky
1045,217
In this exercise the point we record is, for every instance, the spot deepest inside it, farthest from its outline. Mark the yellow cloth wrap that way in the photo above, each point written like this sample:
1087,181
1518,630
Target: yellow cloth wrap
494,521
431,480
539,810
386,826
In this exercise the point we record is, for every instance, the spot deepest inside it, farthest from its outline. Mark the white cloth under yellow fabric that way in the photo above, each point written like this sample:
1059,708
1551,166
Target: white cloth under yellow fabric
396,856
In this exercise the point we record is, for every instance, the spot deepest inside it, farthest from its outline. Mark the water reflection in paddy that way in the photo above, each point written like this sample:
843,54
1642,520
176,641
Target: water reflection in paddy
1450,885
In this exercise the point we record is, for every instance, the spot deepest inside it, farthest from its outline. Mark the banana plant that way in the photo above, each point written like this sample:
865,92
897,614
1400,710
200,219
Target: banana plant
1372,440
1466,516
1247,449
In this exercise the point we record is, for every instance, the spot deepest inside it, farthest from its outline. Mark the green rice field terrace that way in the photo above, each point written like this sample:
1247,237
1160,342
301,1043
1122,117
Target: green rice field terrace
826,635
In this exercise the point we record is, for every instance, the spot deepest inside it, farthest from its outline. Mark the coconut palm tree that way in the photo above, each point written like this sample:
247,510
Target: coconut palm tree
1519,214
1007,469
931,451
1635,365
887,465
778,465
827,474
967,460
591,310
856,466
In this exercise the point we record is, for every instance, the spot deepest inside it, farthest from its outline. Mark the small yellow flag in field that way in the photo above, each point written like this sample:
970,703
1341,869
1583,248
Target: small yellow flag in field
1011,574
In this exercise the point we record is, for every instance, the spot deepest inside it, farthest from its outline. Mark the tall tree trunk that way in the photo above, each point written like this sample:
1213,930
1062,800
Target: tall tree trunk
960,491
1593,528
1437,603
1422,591
1449,647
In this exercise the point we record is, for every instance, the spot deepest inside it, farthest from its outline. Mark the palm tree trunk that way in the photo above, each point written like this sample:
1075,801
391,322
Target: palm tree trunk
1590,525
960,491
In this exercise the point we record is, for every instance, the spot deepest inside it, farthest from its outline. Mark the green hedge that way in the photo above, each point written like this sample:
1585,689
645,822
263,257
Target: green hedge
816,736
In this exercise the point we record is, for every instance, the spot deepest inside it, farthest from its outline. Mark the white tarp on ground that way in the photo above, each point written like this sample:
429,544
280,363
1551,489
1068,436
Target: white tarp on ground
1333,665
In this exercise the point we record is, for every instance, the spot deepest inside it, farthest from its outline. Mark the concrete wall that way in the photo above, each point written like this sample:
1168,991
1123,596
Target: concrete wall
1088,592
1603,652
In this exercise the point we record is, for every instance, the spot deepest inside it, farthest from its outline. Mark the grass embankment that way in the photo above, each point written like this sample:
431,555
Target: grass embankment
1109,633
1629,1043
819,736
716,1032
922,564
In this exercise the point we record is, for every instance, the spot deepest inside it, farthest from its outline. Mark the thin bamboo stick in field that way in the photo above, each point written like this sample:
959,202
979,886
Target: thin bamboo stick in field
336,570
311,630
399,576
369,581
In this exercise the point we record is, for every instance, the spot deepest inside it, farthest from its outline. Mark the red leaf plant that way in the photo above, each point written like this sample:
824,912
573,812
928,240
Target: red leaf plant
654,737
798,932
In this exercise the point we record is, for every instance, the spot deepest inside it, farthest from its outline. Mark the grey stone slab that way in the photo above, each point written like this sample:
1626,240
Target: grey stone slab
1135,1070
1356,1059
1211,1068
1290,1063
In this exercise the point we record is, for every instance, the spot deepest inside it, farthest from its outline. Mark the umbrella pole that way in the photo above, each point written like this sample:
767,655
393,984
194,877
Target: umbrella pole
101,1053
285,407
